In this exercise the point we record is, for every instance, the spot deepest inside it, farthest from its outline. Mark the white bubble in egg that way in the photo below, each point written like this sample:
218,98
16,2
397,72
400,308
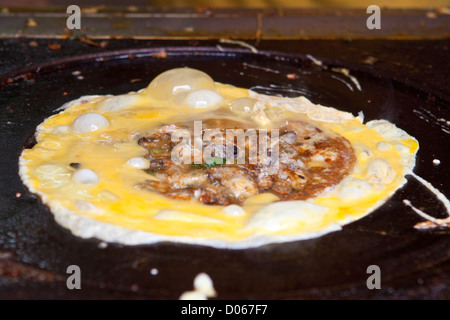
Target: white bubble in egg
89,122
203,98
178,80
138,162
234,210
380,170
85,176
242,105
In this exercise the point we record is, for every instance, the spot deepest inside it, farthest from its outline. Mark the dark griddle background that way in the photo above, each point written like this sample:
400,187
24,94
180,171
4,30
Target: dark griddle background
421,65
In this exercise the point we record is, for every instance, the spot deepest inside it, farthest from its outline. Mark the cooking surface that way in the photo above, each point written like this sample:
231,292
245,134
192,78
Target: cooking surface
405,82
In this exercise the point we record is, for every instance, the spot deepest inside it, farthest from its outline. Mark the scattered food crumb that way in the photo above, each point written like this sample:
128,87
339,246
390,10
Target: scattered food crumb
65,93
315,61
346,73
54,46
203,288
426,225
31,23
102,245
18,195
80,77
370,60
160,55
76,73
154,272
203,283
291,76
431,222
436,162
33,44
132,8
431,15
240,43
135,80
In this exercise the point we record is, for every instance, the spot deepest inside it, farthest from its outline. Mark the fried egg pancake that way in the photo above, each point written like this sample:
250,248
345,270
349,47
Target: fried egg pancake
100,179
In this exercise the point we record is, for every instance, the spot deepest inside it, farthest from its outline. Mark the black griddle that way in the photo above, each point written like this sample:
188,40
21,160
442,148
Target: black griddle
406,82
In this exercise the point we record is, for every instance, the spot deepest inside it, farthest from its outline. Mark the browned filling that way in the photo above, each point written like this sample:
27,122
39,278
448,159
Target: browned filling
309,161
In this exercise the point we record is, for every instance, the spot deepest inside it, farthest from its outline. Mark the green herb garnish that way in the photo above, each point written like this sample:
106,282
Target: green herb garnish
156,151
214,161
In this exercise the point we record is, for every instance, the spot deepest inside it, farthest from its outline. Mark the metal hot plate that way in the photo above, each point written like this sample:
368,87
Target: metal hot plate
35,251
